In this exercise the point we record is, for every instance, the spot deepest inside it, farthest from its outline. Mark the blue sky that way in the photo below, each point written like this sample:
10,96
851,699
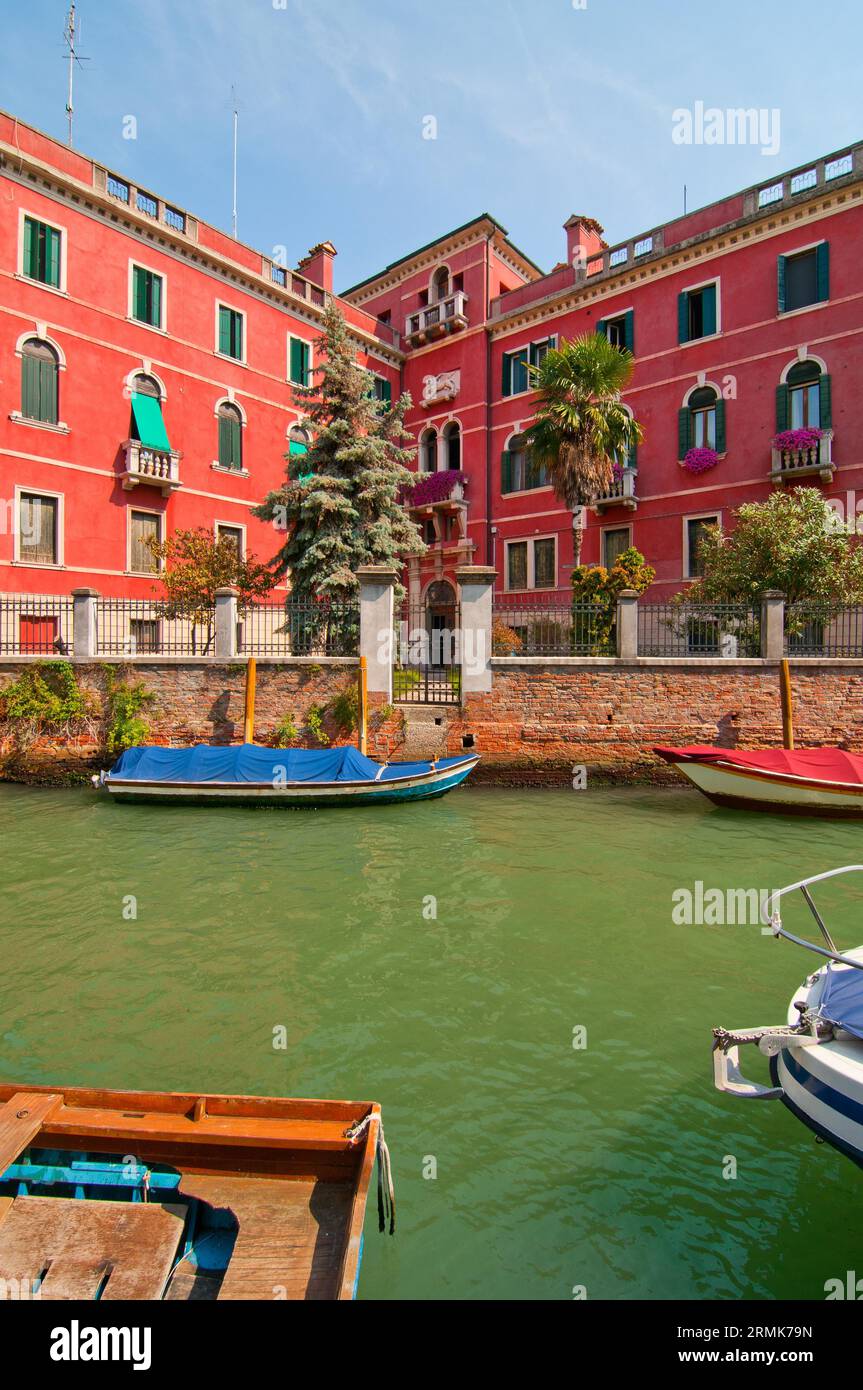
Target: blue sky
542,108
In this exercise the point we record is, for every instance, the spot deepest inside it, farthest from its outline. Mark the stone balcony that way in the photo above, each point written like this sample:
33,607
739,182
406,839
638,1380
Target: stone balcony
446,315
817,460
621,493
152,467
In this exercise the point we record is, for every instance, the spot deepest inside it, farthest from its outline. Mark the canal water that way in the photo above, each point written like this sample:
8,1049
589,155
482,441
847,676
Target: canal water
443,959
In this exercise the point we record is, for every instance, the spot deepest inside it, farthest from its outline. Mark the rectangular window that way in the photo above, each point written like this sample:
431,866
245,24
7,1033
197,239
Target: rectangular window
696,314
234,534
39,383
531,564
300,362
230,332
516,565
38,518
145,527
803,279
144,634
695,529
518,472
620,330
146,296
805,406
515,372
41,252
382,390
613,544
543,564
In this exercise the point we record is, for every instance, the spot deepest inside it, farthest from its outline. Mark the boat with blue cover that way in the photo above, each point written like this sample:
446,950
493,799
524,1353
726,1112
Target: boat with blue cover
816,1056
250,773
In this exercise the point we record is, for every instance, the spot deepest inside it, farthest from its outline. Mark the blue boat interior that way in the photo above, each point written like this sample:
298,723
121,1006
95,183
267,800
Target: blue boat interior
249,763
208,1234
842,998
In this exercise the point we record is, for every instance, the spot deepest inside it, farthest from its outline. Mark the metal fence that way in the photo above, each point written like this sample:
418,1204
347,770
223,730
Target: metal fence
537,625
148,627
427,654
699,629
35,625
313,627
815,630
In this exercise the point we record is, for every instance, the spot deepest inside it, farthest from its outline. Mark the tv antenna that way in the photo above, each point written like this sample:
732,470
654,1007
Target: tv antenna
74,57
234,205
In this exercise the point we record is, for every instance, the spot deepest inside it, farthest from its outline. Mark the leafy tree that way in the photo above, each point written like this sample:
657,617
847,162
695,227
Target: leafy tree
595,591
196,565
581,428
341,502
790,542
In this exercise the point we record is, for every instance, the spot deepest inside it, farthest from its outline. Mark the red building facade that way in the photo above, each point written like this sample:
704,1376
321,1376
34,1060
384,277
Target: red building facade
148,363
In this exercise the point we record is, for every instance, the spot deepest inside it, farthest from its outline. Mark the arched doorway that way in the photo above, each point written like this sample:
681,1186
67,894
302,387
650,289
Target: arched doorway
440,605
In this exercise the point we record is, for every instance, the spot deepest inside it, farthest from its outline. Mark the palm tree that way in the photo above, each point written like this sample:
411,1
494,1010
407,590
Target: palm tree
581,428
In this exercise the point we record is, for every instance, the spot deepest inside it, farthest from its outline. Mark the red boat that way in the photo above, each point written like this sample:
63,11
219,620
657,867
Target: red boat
805,782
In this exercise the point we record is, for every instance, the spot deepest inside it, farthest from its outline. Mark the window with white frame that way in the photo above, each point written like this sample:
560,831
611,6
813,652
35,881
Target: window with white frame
515,374
695,529
532,563
38,537
145,530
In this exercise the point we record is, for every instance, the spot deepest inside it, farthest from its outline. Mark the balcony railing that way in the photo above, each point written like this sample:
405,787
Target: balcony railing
435,320
154,467
431,489
620,493
802,462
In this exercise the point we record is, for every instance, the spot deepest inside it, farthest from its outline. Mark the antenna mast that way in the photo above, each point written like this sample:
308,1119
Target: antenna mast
74,57
234,206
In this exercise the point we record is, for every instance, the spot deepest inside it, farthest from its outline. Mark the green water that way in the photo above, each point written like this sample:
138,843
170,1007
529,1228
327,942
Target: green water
556,1167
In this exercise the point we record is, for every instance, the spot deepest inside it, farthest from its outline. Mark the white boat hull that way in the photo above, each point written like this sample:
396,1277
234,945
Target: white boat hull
741,788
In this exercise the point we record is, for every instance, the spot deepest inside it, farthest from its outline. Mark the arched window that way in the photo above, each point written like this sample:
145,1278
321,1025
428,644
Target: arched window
440,283
701,422
428,452
518,471
230,436
40,372
626,458
452,444
147,425
143,385
803,400
298,440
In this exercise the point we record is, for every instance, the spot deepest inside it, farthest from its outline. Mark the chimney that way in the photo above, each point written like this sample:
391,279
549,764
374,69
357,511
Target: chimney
583,240
317,266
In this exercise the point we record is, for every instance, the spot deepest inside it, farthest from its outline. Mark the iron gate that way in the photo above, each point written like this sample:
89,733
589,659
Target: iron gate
427,649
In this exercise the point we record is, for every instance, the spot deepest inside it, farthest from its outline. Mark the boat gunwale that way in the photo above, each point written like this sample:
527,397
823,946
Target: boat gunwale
365,784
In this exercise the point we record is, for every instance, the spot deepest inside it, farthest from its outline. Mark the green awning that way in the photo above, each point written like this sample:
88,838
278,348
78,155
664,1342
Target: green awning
148,421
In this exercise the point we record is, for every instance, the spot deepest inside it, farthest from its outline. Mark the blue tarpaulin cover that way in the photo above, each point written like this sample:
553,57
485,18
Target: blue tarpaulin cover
247,762
842,999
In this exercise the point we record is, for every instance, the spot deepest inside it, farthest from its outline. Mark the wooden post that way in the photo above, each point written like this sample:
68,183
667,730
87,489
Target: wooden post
787,708
249,715
363,704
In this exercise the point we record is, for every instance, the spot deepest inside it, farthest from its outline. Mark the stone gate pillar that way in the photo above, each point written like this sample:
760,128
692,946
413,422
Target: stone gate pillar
476,587
376,626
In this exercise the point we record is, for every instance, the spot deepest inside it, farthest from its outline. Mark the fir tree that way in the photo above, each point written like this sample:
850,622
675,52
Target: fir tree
341,501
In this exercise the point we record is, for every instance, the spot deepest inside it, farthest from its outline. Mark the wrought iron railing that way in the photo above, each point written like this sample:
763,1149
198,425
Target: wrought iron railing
313,627
813,629
699,629
35,625
150,627
532,624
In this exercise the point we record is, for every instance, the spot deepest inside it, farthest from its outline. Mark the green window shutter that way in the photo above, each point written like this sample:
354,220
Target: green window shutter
600,327
629,330
709,302
520,379
139,297
48,391
825,402
224,329
781,407
148,419
52,268
30,387
822,270
780,286
224,442
720,426
29,246
684,431
236,444
386,392
632,460
506,375
683,317
299,362
156,300
506,471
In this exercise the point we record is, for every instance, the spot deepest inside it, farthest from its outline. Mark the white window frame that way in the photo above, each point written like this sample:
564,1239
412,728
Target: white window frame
531,563
226,356
619,314
606,531
152,327
145,511
521,491
714,516
703,285
789,256
233,526
310,346
22,490
64,245
550,338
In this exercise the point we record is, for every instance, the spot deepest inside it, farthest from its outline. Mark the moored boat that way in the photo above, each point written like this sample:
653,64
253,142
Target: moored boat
816,1056
806,781
277,776
160,1195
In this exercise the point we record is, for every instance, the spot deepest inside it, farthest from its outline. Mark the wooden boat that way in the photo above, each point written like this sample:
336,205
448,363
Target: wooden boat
158,1195
277,776
805,782
816,1056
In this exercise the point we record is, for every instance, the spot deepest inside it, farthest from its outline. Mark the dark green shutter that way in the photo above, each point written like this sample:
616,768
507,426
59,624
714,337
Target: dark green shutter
29,247
299,362
629,330
48,391
708,300
224,441
683,317
139,298
720,426
236,444
156,300
600,327
224,330
506,375
506,471
632,459
780,287
822,270
30,387
825,402
386,391
52,257
781,407
521,376
684,428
